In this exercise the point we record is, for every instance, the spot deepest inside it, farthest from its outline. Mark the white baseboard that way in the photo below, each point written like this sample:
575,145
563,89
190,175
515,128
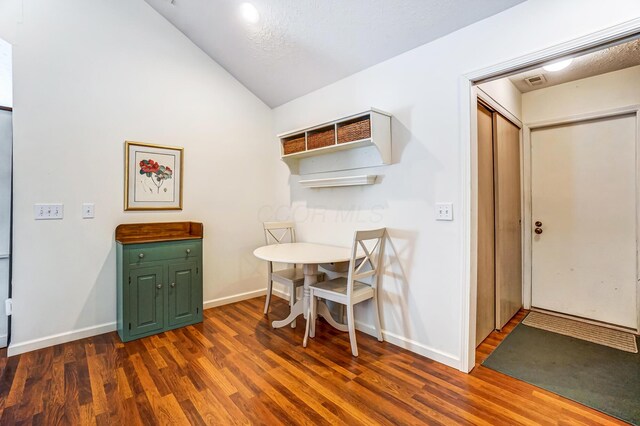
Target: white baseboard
411,345
56,339
69,336
3,340
242,296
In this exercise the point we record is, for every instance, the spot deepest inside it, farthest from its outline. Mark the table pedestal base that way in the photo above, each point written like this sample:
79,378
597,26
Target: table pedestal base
302,305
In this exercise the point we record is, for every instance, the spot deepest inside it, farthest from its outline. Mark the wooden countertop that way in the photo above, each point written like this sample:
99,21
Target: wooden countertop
136,233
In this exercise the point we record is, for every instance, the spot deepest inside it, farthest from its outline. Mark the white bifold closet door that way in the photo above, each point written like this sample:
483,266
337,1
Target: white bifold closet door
5,217
584,198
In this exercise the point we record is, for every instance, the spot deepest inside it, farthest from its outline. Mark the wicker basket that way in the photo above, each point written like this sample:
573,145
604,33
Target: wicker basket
293,144
354,130
321,138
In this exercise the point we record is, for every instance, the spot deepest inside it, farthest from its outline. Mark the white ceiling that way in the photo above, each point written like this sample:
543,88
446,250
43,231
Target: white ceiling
301,45
600,62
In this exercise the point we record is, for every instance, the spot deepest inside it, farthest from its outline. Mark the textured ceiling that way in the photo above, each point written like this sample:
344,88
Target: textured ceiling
301,45
600,62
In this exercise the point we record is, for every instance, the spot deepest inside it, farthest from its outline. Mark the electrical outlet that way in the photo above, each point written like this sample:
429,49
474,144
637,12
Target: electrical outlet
48,211
444,211
88,211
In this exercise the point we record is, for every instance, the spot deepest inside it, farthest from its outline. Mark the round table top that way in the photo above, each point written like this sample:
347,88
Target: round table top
303,253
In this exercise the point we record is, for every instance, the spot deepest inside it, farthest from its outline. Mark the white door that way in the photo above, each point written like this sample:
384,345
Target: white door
584,194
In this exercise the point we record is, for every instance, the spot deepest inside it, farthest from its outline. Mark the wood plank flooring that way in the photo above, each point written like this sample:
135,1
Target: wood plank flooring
234,369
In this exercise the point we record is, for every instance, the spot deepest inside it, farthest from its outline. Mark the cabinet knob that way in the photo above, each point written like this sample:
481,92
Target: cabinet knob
173,285
538,231
188,251
141,255
159,286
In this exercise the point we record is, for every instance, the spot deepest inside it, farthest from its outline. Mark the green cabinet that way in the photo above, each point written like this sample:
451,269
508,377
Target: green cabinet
159,286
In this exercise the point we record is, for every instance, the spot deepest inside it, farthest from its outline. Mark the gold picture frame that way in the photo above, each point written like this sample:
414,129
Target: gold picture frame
153,176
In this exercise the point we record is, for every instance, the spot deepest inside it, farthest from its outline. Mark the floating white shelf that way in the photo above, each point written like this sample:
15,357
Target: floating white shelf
339,181
366,135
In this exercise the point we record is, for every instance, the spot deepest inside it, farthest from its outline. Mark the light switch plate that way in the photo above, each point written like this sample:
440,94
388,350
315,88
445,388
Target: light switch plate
88,210
444,211
48,211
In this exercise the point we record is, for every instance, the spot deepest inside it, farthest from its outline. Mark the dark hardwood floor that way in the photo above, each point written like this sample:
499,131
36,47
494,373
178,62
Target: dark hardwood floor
235,369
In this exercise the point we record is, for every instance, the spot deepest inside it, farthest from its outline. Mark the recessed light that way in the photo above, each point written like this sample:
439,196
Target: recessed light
557,66
249,13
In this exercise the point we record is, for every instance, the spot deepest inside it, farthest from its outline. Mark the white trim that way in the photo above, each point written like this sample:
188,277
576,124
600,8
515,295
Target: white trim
468,144
527,222
469,154
208,304
411,345
56,339
633,109
593,115
3,340
572,47
69,336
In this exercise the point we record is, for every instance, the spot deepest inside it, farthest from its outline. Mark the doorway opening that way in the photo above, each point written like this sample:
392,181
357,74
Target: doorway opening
576,226
489,83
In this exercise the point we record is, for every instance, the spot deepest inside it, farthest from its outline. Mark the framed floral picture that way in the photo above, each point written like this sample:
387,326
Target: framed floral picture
152,177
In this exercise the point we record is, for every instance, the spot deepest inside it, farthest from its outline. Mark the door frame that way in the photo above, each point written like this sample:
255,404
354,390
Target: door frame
572,119
468,151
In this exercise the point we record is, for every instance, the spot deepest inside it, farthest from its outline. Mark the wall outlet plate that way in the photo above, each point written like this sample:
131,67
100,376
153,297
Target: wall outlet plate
48,211
444,211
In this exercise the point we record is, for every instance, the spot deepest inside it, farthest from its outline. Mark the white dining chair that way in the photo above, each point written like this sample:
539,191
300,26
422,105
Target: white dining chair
366,262
292,276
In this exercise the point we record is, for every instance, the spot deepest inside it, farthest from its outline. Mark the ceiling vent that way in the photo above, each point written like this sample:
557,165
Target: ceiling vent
535,80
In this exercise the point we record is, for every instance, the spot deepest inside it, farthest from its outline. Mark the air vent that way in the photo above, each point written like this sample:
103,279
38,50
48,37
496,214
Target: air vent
535,80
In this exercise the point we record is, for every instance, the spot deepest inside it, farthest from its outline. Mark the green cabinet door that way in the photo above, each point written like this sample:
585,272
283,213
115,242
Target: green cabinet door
146,300
183,293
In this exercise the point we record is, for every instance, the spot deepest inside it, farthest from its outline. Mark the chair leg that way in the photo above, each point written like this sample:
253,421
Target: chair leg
292,301
376,312
268,300
310,317
351,324
313,313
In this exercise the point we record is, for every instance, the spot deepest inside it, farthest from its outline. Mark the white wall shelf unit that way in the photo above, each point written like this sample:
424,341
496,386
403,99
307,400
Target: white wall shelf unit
366,135
339,181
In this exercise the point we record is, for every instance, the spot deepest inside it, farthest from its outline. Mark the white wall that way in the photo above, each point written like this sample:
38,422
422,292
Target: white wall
89,75
606,91
422,291
6,92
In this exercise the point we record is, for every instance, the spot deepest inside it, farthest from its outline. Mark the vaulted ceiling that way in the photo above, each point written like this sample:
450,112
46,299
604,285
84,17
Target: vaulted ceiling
298,46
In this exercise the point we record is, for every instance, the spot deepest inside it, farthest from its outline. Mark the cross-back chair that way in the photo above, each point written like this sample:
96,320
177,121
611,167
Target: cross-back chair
366,263
291,276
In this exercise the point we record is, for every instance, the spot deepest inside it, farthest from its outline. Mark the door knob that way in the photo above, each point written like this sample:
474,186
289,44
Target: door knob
159,286
173,285
538,224
538,231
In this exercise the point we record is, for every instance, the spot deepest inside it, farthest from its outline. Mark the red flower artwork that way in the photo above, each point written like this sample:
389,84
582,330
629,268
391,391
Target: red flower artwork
156,172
